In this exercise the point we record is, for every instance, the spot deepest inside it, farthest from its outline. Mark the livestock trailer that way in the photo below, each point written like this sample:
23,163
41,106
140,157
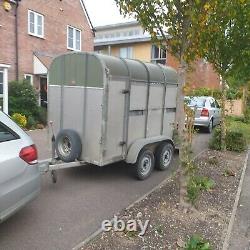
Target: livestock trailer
106,109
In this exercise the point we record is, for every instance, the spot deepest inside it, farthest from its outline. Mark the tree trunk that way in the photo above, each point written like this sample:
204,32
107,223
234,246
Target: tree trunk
244,101
223,116
182,135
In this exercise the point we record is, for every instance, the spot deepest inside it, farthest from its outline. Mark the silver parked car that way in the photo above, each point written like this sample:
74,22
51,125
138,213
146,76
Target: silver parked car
19,173
207,111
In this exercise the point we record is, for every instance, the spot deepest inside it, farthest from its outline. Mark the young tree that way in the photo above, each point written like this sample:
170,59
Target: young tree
226,44
177,24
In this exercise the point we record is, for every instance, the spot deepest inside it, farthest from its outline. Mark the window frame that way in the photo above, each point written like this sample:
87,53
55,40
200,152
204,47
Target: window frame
36,14
74,38
14,134
160,52
129,48
1,71
31,78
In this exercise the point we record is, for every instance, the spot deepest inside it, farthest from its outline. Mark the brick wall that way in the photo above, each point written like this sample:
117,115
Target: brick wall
200,75
7,39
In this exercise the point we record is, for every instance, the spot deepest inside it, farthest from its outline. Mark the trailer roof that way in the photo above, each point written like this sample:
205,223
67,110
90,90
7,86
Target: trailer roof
90,70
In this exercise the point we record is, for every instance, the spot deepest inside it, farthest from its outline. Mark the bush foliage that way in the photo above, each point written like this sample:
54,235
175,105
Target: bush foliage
23,100
232,93
196,242
19,119
235,140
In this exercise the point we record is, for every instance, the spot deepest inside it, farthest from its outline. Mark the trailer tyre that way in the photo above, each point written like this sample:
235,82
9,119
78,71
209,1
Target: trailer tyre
145,164
164,155
68,145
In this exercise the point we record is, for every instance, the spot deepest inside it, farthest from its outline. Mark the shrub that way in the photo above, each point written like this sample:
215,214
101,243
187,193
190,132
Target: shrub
31,122
247,115
196,184
22,99
235,140
41,115
215,141
19,119
196,242
232,93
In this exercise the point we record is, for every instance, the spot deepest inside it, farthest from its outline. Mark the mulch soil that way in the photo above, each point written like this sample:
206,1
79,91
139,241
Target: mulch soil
169,226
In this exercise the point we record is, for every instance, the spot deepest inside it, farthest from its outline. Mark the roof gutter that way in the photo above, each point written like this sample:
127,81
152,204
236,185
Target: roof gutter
88,17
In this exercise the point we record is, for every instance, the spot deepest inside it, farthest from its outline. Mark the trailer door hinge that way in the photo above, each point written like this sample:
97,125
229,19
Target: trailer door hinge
125,91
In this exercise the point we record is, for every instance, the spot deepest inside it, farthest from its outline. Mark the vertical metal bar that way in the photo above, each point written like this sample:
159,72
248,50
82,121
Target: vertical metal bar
147,100
62,92
126,111
84,115
163,98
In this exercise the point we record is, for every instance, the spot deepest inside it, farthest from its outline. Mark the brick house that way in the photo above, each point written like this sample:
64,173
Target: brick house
129,40
32,33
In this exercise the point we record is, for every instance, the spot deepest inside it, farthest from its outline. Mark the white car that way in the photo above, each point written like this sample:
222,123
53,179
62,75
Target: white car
207,111
19,173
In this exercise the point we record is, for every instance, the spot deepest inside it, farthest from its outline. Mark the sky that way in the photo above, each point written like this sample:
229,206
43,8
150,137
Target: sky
103,12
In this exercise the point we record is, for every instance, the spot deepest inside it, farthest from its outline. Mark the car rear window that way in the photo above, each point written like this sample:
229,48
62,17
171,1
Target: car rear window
7,134
195,101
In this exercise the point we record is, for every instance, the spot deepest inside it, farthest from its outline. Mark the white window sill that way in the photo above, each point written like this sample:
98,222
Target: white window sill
34,35
74,49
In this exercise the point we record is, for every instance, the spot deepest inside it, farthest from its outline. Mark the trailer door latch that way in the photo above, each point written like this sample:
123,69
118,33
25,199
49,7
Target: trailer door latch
125,91
122,143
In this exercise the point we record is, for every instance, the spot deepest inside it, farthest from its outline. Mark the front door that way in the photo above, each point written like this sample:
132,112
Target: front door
43,92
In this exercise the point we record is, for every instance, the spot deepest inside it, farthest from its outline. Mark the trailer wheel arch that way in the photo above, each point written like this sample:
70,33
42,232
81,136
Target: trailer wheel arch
151,143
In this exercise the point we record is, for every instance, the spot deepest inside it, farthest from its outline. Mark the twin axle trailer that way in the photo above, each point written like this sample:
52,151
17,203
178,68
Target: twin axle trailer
106,109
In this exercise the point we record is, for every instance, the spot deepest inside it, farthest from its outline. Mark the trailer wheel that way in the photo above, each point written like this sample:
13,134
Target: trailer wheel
145,164
164,155
68,145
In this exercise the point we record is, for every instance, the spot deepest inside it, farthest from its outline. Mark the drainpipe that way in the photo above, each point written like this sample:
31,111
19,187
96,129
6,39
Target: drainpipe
16,38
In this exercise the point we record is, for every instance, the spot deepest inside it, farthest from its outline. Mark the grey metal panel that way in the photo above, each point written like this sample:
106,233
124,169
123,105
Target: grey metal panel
171,95
168,126
171,76
115,121
54,107
92,150
136,128
115,65
138,96
137,70
154,122
73,99
155,73
156,96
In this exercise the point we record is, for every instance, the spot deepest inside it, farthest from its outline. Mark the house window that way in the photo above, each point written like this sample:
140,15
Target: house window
74,38
158,55
35,24
29,78
1,83
126,52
